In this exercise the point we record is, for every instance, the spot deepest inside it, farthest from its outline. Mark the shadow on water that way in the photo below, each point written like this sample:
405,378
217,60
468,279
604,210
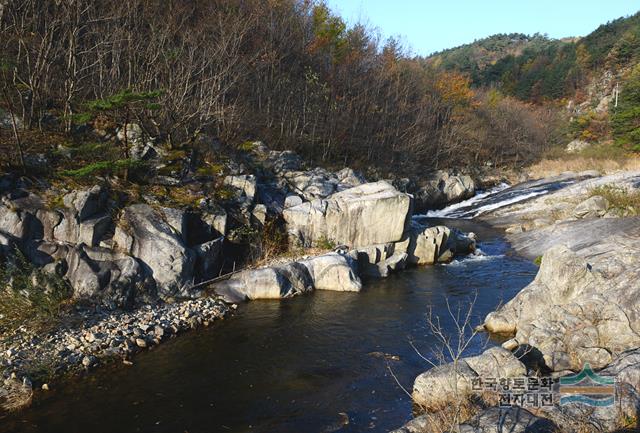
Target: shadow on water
310,364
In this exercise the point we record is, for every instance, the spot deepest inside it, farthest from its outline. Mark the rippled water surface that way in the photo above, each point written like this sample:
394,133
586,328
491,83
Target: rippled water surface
310,364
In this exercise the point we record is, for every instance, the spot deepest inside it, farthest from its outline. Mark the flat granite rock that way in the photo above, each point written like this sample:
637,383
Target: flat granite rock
369,214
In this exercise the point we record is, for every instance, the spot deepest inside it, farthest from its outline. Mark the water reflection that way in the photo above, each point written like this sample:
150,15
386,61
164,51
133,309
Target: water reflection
311,364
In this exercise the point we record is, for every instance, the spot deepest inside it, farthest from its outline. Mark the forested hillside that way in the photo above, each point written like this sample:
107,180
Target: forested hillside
289,72
536,68
586,71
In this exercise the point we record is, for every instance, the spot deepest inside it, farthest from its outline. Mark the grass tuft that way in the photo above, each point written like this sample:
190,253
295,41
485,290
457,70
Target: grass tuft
620,199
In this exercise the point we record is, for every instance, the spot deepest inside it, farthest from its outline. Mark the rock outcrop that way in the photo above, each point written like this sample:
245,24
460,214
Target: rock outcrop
578,310
440,386
146,234
317,183
443,188
332,271
577,146
438,244
370,214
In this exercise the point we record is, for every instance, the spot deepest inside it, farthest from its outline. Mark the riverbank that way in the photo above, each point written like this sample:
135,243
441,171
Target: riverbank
579,312
97,337
114,273
290,365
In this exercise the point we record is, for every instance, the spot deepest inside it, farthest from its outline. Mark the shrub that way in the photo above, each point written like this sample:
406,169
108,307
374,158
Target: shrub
326,244
103,168
246,146
620,199
30,297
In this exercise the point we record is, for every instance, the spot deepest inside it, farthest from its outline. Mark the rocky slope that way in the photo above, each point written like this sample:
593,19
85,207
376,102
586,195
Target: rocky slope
581,309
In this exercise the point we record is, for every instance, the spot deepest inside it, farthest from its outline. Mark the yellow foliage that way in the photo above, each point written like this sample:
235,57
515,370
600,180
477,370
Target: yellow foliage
455,89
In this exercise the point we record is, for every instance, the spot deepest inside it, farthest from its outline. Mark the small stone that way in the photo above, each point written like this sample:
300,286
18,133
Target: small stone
88,361
158,331
141,342
45,387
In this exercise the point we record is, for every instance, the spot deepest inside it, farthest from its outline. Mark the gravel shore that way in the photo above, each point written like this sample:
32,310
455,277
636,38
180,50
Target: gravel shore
97,336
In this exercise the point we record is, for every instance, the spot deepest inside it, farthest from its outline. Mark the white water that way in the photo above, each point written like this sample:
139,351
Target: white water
478,256
449,210
483,209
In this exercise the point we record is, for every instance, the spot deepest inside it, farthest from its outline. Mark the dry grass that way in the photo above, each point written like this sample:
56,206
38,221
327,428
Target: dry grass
605,158
620,199
460,410
15,396
442,421
552,167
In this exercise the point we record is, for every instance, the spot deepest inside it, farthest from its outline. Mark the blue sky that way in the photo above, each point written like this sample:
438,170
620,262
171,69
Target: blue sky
432,25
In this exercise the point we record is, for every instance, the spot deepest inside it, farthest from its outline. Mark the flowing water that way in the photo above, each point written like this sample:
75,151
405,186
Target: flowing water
317,363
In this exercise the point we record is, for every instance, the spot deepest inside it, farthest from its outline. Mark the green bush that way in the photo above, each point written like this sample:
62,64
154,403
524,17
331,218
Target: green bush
103,168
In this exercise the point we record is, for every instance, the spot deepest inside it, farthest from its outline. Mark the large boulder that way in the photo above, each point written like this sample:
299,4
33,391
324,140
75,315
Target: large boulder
99,274
593,207
328,272
440,386
578,310
442,188
144,233
438,244
334,272
373,213
275,282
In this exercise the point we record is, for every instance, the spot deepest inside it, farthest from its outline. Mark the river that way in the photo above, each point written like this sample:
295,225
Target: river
317,363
